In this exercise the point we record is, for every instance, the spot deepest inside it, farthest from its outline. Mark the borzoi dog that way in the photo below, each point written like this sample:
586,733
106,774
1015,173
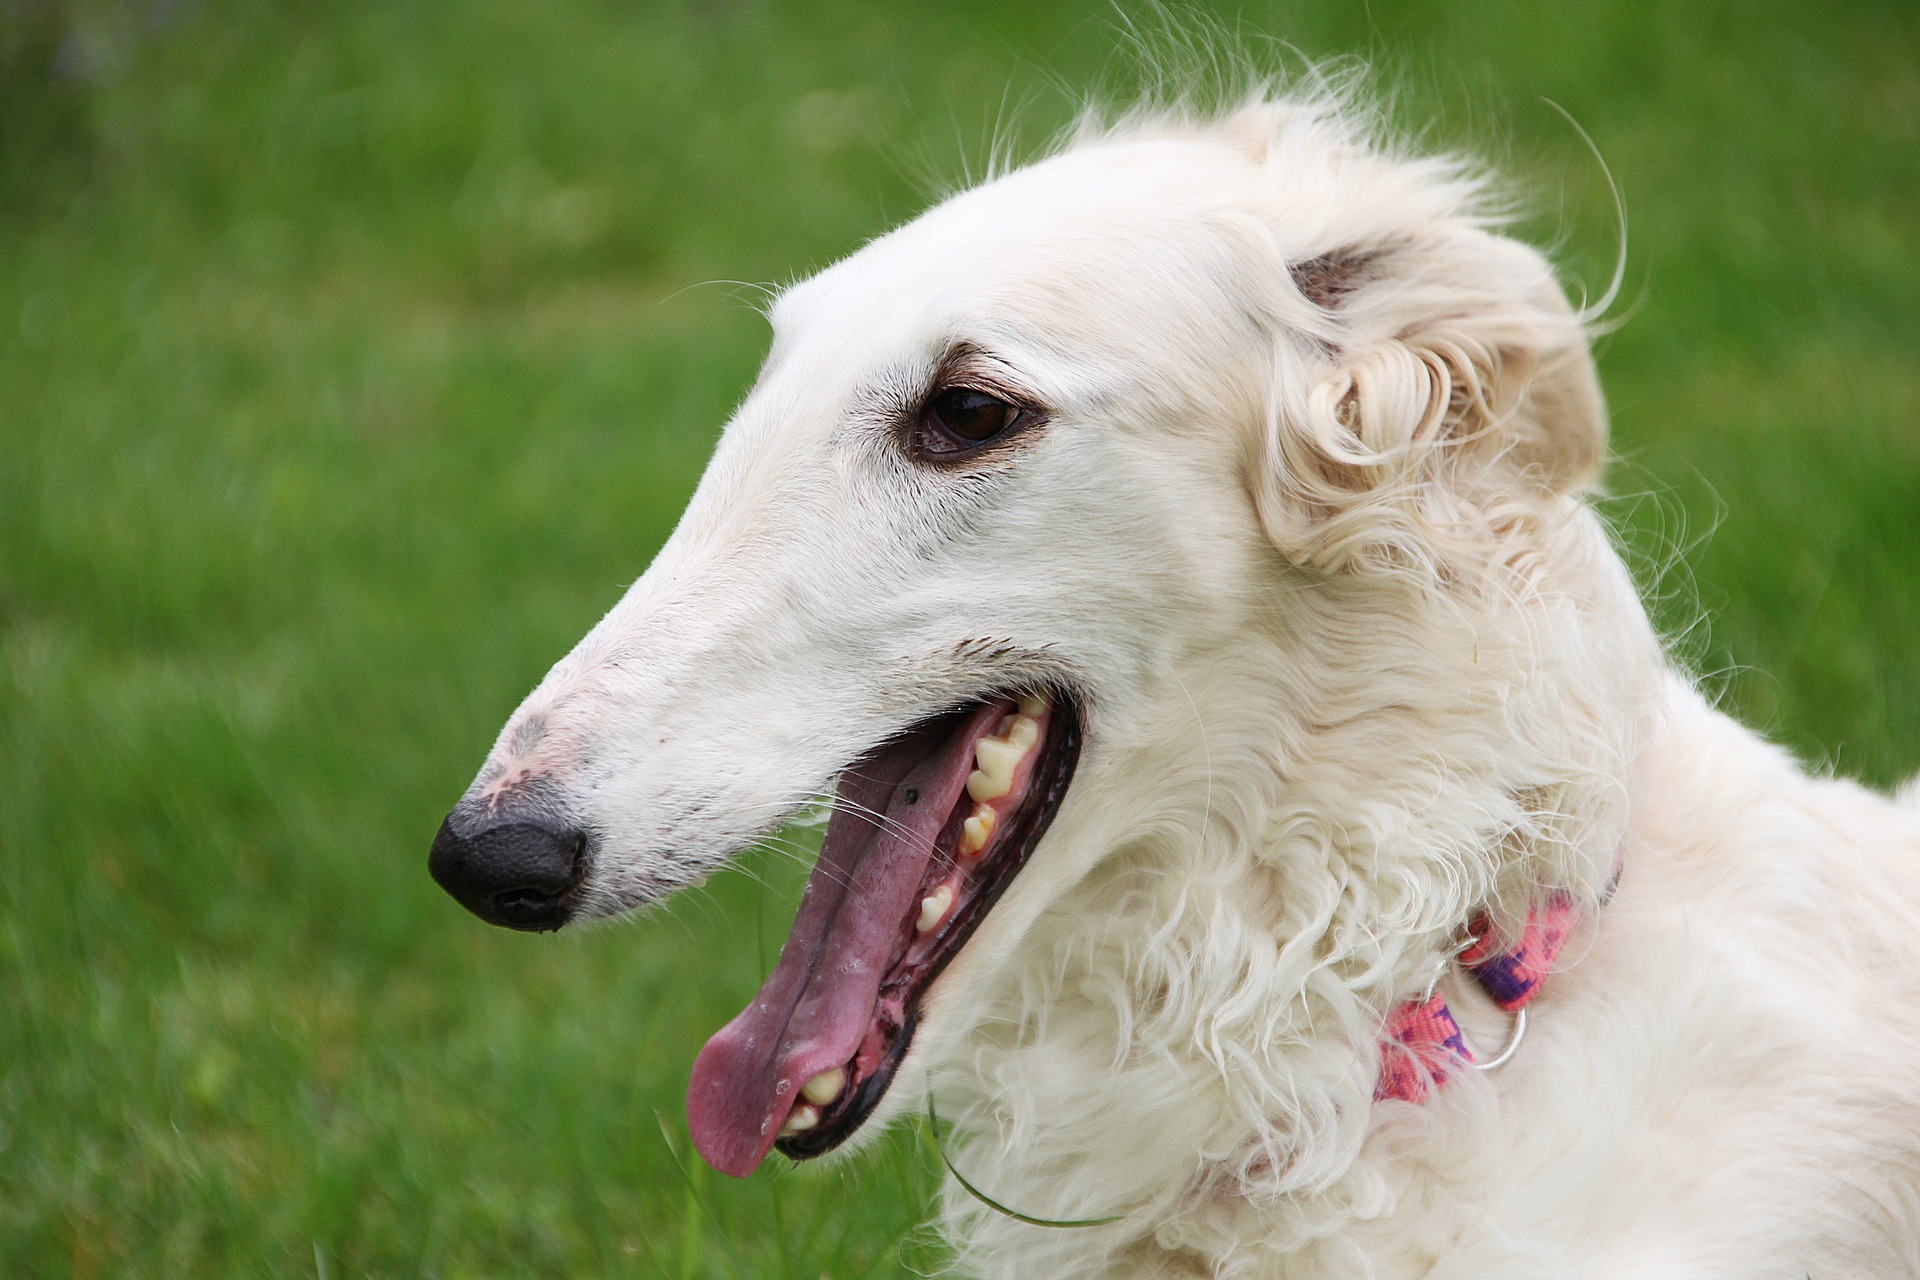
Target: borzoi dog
1173,558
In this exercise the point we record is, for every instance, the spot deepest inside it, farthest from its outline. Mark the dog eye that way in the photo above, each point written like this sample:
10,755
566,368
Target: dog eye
960,418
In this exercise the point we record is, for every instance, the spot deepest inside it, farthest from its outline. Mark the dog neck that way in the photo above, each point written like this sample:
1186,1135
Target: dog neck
1192,1029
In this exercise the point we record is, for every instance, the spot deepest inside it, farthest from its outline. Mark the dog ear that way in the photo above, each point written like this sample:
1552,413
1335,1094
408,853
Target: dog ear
1436,404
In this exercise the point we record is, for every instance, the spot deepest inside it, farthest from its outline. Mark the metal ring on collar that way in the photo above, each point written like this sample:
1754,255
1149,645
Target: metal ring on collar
1513,1043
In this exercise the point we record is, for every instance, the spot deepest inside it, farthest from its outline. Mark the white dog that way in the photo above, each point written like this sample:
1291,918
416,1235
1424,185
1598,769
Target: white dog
1173,555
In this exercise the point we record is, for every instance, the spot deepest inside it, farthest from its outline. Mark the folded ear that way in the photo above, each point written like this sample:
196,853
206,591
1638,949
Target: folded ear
1434,405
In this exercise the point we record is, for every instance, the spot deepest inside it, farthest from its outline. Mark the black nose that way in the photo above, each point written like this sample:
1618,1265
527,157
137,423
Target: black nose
517,873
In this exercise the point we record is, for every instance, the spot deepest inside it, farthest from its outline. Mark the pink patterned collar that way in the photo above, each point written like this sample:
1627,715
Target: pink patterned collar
1421,1045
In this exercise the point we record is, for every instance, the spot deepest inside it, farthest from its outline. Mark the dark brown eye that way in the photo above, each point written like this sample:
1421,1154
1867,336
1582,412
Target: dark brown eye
966,418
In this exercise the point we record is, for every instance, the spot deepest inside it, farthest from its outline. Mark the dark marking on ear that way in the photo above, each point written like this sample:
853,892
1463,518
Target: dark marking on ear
1326,281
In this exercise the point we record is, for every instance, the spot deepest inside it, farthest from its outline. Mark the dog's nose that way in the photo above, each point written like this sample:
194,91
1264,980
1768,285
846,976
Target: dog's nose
517,873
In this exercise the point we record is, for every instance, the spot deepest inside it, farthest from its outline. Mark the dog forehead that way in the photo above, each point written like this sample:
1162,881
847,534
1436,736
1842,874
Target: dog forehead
1040,253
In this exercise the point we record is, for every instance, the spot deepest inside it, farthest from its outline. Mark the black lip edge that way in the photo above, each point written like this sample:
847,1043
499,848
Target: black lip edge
842,1119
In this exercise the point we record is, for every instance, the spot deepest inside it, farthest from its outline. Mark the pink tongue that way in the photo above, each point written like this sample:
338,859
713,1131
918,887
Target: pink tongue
816,1007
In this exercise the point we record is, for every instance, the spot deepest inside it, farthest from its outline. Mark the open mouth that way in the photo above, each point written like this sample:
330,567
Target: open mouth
927,831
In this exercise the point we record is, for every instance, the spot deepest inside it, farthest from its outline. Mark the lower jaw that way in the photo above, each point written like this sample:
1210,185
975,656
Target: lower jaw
857,1105
841,1119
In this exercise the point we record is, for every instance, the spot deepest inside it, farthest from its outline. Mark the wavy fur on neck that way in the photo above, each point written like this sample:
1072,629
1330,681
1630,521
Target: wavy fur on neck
1191,1036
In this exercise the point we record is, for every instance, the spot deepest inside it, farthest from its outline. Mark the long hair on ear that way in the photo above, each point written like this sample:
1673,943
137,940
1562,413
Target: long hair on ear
1432,398
1455,411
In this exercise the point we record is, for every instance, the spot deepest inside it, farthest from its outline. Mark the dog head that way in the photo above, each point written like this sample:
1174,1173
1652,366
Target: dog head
1013,481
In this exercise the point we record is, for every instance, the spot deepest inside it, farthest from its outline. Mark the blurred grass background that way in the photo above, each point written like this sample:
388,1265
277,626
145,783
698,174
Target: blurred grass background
351,363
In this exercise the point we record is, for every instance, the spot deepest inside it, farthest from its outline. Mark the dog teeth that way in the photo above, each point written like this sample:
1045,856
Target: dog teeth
825,1087
800,1119
977,829
933,908
998,755
1022,732
982,787
994,777
1033,704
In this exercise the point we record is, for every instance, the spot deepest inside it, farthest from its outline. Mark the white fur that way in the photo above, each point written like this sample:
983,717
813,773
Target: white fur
1357,660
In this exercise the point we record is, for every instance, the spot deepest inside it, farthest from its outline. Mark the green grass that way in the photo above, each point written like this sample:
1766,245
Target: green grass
349,367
